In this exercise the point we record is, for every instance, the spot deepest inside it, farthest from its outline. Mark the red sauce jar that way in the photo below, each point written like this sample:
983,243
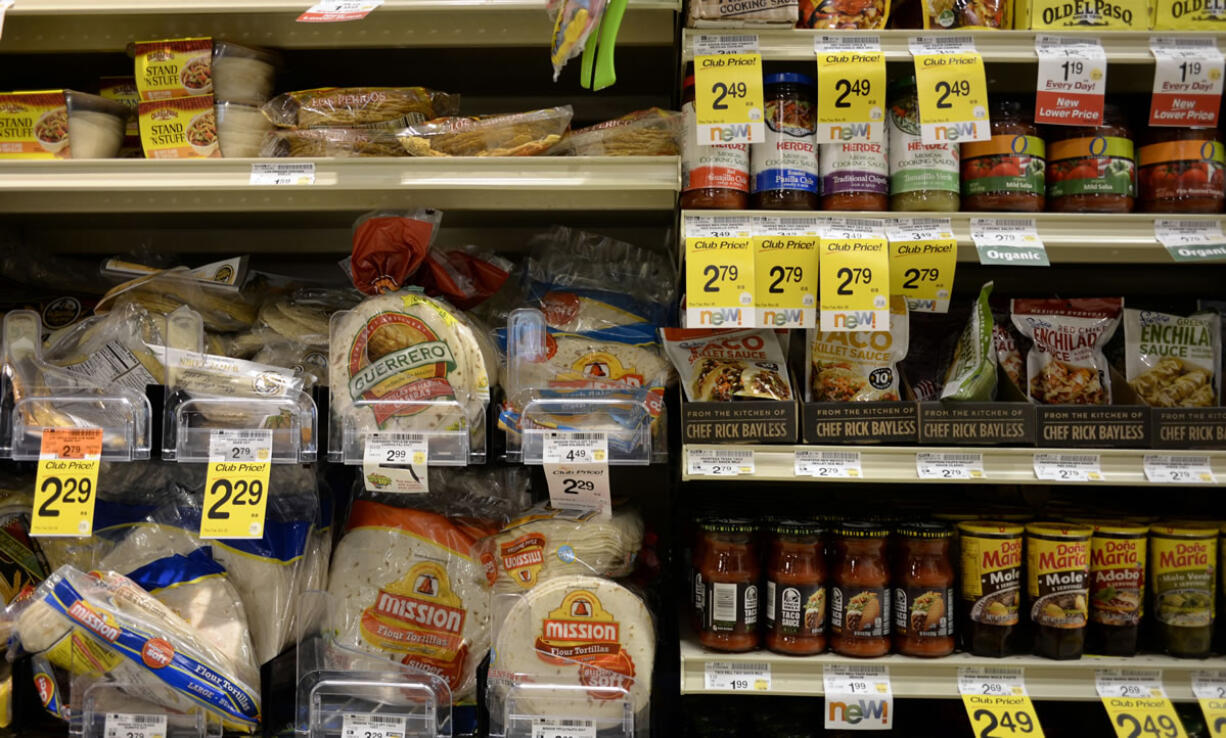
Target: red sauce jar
796,589
860,591
924,590
1091,169
728,572
712,177
1006,172
1181,171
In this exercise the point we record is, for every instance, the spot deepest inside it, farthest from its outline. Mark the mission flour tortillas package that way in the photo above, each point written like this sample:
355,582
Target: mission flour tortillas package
728,365
1173,360
1066,365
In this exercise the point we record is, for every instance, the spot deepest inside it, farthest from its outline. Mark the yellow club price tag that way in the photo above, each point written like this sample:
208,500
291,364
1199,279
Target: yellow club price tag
1002,716
728,99
1215,717
854,280
953,91
719,273
67,482
236,487
785,272
923,259
850,90
1209,686
1137,704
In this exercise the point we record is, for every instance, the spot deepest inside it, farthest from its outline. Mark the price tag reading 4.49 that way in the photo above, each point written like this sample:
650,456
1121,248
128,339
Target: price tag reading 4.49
953,90
719,272
67,482
236,488
728,100
855,277
996,702
785,269
1137,703
923,258
850,89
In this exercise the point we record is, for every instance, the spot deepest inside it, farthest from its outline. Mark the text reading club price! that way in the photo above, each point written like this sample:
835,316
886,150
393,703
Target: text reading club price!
64,490
728,99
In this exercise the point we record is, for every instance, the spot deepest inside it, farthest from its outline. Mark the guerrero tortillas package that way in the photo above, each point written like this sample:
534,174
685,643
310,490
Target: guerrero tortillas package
728,365
1173,360
858,366
1066,365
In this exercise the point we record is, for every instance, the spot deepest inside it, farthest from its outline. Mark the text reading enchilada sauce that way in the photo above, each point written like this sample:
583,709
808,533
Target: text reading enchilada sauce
712,177
1057,582
1117,588
991,587
1092,169
796,589
923,591
860,591
730,572
1181,170
1183,577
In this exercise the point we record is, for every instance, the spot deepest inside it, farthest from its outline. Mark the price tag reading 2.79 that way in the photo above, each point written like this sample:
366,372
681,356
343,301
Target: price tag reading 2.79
66,485
719,272
236,487
728,98
854,281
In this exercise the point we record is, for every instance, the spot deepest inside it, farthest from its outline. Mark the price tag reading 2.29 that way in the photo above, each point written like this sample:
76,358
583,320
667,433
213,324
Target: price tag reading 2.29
850,89
728,99
236,488
67,482
855,277
953,90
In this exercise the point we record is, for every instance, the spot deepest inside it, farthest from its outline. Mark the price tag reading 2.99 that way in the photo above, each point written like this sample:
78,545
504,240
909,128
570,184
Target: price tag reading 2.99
236,488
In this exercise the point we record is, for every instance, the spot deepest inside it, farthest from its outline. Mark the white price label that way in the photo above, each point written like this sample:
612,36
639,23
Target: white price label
1170,469
580,487
949,465
737,676
710,461
396,463
1072,80
1132,683
828,464
1191,240
1008,241
1068,467
562,447
858,697
124,725
708,44
1209,684
335,11
543,727
365,725
282,173
240,446
1187,81
991,681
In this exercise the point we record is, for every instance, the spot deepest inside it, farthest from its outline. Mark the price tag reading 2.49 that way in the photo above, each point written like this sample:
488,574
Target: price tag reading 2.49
996,702
719,272
1137,703
850,89
953,90
67,482
236,488
728,99
855,277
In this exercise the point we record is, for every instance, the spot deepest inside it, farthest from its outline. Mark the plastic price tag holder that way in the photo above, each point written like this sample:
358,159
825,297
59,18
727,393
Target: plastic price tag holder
728,95
335,11
66,485
1178,469
1137,703
785,271
579,695
858,697
282,173
236,485
854,278
1072,80
1008,242
367,725
1068,467
923,259
715,461
130,725
577,471
107,711
737,676
949,465
952,88
1187,81
396,463
1191,240
850,89
1209,686
719,272
996,702
827,464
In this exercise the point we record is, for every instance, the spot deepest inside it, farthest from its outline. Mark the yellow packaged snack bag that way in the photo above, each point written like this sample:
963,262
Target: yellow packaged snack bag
182,128
34,125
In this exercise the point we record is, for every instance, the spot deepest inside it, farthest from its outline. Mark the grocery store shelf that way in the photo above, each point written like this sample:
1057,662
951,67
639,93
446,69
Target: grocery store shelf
938,678
108,25
221,185
897,464
1121,47
1071,238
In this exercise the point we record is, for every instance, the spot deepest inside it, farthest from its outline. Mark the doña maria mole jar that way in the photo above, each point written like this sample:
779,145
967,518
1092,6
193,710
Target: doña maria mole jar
1117,587
1057,582
796,588
1183,556
923,590
860,590
991,586
730,571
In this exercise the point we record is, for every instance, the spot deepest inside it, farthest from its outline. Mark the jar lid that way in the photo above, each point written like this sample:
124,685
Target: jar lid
788,78
1184,529
991,528
1118,528
784,527
1070,531
900,85
930,529
729,525
862,529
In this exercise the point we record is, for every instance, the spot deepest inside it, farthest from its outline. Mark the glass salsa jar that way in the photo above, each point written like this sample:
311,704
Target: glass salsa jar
860,590
924,590
1091,169
1181,170
1117,587
991,586
783,168
1057,582
1182,586
1006,172
729,571
712,177
923,177
796,588
855,176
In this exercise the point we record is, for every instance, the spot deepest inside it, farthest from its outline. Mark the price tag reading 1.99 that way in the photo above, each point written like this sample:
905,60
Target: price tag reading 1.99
719,273
855,281
953,90
236,486
67,481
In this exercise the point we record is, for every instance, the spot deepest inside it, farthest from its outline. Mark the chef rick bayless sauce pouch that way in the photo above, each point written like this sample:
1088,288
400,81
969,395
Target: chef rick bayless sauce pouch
858,366
1173,360
1066,365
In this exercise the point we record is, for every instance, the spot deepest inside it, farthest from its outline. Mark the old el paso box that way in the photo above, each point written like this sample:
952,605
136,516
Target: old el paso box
1189,15
1122,15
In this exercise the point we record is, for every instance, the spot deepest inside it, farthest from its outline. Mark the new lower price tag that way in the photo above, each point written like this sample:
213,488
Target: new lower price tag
548,727
854,279
923,259
66,486
1137,704
236,486
366,725
396,463
1072,80
728,99
127,725
719,272
828,464
282,173
577,470
335,11
1173,469
737,676
858,697
1068,467
953,90
1210,690
949,465
1187,81
713,461
996,702
850,89
785,272
1191,240
1008,242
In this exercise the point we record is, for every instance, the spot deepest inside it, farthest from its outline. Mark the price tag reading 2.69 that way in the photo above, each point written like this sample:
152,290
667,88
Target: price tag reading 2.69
236,487
67,481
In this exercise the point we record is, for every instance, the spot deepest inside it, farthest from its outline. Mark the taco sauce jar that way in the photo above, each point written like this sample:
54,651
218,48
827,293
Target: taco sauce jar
923,177
1183,557
712,177
923,590
1117,588
991,586
1006,172
783,168
1092,169
730,572
1057,579
1181,171
796,589
855,176
860,591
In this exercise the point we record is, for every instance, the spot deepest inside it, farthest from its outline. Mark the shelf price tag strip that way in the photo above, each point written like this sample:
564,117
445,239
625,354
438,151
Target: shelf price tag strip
923,259
785,271
1187,81
949,465
714,461
577,470
366,725
128,725
336,11
549,727
1137,704
1068,467
1175,469
236,486
854,277
1008,242
997,703
827,464
953,89
66,485
282,173
1192,240
850,89
396,463
858,697
728,96
719,272
1210,689
737,676
1072,80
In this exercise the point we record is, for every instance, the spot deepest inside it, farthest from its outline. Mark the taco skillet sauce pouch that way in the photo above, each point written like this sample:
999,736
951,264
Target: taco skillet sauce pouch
174,68
1066,365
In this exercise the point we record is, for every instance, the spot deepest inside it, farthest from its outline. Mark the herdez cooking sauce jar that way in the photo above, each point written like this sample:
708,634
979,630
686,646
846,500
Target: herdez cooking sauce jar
1057,582
923,590
712,177
923,177
726,561
796,588
991,586
1117,587
1092,169
783,168
1183,558
860,590
1181,171
1006,172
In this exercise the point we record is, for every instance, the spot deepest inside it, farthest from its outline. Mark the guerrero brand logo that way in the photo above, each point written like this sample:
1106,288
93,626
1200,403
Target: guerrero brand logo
855,713
103,625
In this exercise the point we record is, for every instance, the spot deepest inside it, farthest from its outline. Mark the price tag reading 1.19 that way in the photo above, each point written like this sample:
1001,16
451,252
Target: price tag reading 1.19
785,270
719,273
854,280
1137,704
67,482
953,90
923,258
1072,81
1188,81
728,99
236,487
996,702
850,89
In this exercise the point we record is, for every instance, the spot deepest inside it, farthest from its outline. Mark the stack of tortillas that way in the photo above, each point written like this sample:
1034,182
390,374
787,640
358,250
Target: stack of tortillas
577,630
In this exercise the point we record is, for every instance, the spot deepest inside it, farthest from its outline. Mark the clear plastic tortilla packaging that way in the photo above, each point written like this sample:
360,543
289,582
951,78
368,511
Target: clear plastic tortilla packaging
859,366
243,75
241,129
1174,360
386,108
120,346
1065,365
222,308
721,13
651,132
513,134
122,89
573,22
339,143
972,372
855,15
727,365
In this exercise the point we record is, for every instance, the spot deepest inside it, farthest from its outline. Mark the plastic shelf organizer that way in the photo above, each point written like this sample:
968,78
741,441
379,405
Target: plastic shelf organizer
112,708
